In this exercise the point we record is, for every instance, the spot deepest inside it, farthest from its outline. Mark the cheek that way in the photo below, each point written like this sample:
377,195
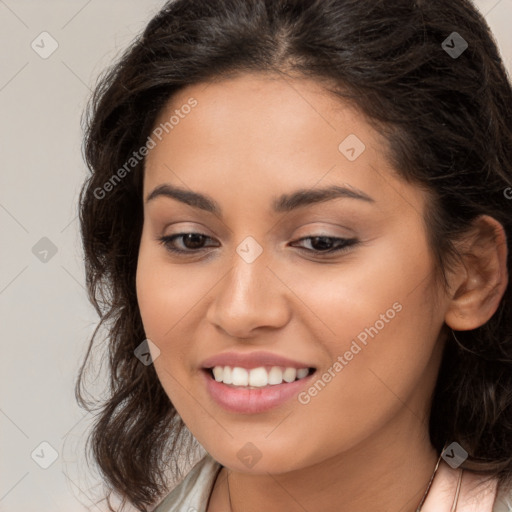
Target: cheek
376,365
170,303
382,292
165,293
160,310
383,323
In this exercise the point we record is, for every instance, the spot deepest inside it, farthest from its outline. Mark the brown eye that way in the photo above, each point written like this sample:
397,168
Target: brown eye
190,242
328,244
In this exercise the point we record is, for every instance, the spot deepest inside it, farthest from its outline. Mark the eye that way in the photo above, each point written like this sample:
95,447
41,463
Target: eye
194,242
328,244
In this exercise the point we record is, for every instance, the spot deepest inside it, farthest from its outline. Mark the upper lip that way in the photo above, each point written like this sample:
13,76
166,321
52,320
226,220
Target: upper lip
252,360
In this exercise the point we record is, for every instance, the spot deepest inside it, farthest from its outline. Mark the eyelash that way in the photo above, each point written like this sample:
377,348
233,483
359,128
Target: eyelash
346,243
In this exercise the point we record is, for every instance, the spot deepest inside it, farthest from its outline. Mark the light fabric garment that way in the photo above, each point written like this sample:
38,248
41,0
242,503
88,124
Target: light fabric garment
192,493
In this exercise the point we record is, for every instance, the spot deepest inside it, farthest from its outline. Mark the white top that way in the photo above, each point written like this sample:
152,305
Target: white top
192,493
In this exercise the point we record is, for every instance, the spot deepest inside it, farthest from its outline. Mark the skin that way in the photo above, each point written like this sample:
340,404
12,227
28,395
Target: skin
362,442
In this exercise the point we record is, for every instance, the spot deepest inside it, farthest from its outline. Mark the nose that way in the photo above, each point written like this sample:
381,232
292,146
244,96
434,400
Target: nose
250,297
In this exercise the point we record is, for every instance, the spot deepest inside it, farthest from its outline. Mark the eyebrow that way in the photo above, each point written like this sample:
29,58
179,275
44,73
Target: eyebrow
284,203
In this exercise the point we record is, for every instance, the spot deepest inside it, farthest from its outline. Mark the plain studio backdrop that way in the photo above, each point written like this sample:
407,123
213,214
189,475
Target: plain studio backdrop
46,320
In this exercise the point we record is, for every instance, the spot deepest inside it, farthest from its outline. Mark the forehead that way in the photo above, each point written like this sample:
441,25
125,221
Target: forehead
265,112
261,133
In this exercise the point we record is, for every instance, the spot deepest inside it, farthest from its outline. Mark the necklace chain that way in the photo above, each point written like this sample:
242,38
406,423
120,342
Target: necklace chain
418,509
429,484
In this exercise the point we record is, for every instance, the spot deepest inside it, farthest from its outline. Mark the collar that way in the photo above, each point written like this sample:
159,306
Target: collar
477,493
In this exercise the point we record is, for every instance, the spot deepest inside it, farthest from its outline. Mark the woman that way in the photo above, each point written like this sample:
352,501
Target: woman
299,212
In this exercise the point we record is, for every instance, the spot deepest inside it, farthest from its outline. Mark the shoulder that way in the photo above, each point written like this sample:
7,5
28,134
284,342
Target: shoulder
503,501
192,493
472,492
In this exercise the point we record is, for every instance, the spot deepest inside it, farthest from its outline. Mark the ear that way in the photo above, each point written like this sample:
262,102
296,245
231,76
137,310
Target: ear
478,284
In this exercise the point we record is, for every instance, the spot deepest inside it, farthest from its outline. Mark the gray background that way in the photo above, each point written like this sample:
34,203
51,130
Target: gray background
46,320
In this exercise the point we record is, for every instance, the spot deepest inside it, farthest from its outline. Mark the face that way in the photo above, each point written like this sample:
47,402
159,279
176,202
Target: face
341,282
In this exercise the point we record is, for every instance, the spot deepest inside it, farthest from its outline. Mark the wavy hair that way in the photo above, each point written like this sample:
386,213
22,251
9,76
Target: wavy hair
447,121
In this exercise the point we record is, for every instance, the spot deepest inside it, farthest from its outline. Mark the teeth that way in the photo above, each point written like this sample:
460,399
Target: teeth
218,373
240,376
257,377
227,375
289,374
302,372
275,376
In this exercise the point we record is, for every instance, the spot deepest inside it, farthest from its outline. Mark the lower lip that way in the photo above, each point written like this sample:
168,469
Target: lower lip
253,401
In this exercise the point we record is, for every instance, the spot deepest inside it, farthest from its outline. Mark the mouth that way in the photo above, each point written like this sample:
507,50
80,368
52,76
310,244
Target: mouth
256,390
257,378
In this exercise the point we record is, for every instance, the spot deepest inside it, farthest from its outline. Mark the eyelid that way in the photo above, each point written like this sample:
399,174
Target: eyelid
346,244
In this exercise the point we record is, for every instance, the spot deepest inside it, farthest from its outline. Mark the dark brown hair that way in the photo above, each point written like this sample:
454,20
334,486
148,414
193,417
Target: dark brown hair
447,120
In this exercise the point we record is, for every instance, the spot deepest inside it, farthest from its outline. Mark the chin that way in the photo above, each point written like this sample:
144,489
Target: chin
260,458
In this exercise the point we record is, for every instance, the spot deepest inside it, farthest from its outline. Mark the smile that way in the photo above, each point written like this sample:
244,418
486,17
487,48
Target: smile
258,377
241,397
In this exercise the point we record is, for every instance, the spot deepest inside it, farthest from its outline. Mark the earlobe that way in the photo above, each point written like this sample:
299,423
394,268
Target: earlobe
482,277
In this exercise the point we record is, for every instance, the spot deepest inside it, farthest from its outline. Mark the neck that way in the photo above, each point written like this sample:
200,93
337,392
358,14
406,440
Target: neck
388,474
